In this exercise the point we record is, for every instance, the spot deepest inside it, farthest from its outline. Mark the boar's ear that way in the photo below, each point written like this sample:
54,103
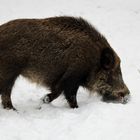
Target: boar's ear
107,59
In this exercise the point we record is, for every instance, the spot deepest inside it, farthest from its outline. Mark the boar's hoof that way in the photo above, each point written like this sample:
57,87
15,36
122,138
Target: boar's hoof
46,99
73,105
8,106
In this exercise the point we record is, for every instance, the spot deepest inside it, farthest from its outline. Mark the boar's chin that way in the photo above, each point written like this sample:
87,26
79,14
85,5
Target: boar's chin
111,98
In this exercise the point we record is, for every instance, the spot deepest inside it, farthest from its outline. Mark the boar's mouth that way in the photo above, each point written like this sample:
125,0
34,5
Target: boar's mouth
115,98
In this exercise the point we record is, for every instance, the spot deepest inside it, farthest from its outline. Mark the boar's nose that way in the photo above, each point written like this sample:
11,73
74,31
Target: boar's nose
124,96
123,91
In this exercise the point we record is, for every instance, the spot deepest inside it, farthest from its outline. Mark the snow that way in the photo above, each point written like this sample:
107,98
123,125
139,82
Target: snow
119,21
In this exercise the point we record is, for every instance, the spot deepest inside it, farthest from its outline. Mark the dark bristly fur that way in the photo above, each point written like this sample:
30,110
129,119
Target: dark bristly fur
61,53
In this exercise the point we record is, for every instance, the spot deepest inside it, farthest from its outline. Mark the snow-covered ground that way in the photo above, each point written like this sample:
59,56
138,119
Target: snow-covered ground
119,21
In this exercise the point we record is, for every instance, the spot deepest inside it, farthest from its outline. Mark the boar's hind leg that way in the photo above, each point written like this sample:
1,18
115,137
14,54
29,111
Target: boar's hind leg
7,85
6,94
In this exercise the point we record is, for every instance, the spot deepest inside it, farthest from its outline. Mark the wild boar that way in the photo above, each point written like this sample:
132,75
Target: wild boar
61,53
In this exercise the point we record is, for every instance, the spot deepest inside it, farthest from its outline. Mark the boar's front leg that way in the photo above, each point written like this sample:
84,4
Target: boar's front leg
55,92
70,83
69,87
67,84
70,92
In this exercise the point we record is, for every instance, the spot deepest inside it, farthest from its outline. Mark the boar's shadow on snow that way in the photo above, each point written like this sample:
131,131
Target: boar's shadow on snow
61,53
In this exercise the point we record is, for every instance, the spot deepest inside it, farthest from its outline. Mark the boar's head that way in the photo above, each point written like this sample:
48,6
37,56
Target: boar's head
109,82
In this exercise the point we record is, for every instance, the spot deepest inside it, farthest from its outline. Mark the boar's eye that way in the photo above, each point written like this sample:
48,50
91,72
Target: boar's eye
107,59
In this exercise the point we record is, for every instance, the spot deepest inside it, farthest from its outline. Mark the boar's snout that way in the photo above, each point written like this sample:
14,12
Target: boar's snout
119,96
123,95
